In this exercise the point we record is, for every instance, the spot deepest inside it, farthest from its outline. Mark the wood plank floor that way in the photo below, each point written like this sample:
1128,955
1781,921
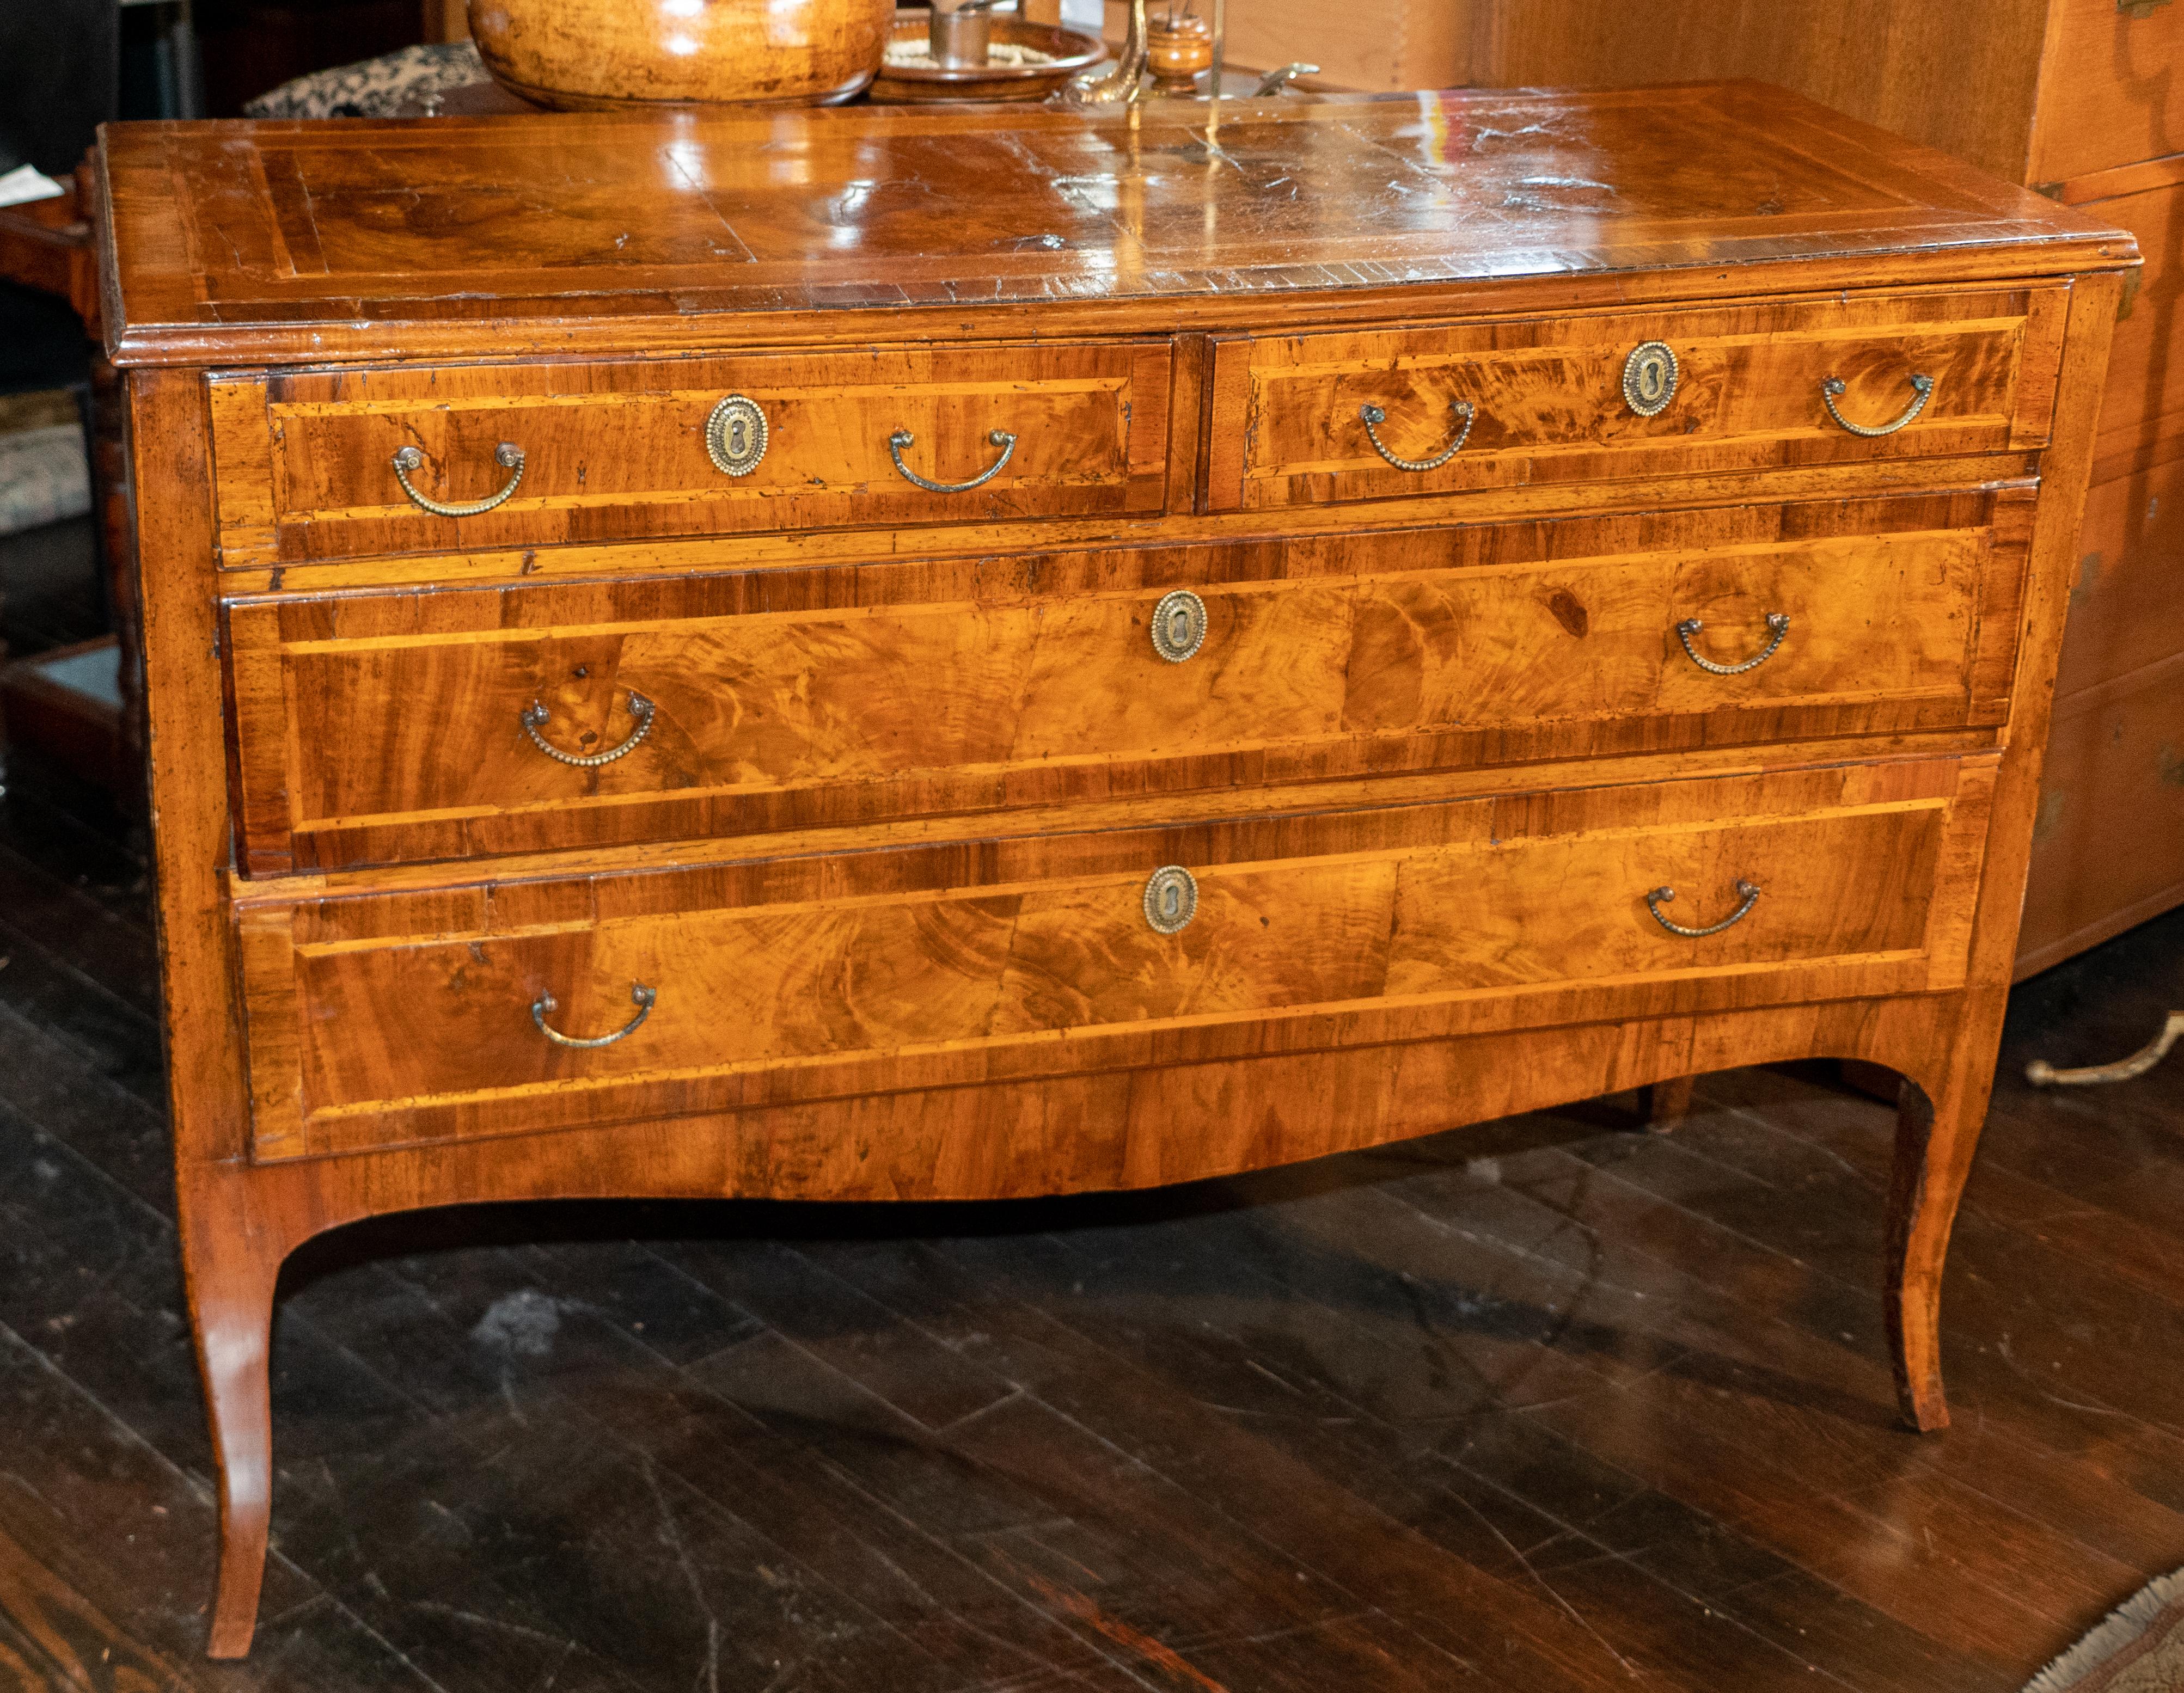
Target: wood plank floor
1548,1405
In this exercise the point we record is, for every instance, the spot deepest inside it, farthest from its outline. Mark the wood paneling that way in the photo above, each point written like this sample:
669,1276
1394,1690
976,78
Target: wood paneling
2105,853
1412,649
377,1032
2107,90
1547,400
616,452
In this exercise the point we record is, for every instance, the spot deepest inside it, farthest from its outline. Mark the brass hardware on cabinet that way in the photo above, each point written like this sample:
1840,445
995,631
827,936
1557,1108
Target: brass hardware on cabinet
546,1004
1649,378
735,435
1831,389
1779,621
1746,891
1179,625
534,718
1371,416
507,455
1000,437
1171,899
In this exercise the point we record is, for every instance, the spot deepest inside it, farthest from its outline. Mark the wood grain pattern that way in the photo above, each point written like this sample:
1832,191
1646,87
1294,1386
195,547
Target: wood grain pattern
463,239
1319,659
2073,97
590,55
1548,402
1410,907
618,451
888,875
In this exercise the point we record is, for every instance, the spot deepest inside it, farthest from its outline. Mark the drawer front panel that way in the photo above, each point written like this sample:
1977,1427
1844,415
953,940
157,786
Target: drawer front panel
308,460
1296,418
383,1019
382,729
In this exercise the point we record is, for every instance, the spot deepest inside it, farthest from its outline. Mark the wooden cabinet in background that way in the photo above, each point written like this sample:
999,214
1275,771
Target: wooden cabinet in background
2077,98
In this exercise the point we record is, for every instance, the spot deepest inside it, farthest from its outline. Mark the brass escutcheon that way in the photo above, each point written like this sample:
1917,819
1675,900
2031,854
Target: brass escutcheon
1649,378
1171,899
1179,625
735,435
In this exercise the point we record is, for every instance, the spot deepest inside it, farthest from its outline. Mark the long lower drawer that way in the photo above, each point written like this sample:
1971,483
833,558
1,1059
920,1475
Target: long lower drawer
388,1019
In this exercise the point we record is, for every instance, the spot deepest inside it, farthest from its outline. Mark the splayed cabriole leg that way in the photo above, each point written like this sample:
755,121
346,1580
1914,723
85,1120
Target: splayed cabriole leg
1937,1130
230,1266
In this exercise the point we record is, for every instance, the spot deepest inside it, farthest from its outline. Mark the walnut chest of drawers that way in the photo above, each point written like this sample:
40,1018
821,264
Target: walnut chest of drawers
924,654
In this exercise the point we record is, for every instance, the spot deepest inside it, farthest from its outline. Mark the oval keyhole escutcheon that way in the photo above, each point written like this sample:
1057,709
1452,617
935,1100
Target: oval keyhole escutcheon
1171,899
1649,378
1179,625
735,435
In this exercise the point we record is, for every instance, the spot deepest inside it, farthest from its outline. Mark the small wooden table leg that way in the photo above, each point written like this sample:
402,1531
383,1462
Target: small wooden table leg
1668,1103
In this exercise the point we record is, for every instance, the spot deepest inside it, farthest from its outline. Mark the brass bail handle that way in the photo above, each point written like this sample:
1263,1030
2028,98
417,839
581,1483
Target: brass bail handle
902,438
546,1004
1748,892
1371,416
1778,621
536,716
507,455
1922,390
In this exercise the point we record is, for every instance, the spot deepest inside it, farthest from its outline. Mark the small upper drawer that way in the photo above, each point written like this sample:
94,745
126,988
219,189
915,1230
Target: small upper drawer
447,723
336,464
1381,414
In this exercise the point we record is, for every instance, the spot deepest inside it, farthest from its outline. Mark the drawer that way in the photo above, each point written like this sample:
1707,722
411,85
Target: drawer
394,1019
1381,414
2106,88
308,461
408,727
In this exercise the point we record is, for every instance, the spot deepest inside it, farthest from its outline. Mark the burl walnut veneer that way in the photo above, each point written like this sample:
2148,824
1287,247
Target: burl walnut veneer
910,653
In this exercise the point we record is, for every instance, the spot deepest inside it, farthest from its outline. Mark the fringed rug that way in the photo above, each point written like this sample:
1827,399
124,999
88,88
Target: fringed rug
2140,1649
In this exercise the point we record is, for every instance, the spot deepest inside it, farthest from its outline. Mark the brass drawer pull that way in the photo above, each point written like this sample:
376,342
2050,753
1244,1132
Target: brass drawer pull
1171,899
507,455
546,1004
1179,625
902,438
1779,621
534,718
1832,390
1748,891
1371,415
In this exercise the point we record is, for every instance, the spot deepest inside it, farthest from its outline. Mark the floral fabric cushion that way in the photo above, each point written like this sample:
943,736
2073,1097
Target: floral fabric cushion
376,88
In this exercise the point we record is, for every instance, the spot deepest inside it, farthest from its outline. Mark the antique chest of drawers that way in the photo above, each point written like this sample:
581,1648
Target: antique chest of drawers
923,654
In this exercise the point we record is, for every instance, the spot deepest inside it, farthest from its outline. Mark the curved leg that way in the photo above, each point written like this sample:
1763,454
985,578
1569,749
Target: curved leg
230,1266
1936,1136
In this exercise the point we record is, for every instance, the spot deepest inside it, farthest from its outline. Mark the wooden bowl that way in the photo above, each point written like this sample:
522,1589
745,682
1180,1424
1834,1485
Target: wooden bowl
1071,50
603,55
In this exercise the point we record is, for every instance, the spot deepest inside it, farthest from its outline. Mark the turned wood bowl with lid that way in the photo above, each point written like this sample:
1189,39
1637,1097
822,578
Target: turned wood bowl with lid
605,55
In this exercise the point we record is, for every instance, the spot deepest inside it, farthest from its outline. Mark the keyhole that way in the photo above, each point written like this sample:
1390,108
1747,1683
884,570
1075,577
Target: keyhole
736,429
1171,902
1178,626
1649,381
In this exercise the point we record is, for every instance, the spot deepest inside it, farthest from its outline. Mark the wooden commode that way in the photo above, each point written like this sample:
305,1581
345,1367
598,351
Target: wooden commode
920,655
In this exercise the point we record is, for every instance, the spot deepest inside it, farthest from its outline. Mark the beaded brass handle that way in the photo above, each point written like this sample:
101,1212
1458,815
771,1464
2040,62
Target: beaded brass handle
1923,390
507,455
1749,892
1371,416
1779,621
902,438
546,1004
534,718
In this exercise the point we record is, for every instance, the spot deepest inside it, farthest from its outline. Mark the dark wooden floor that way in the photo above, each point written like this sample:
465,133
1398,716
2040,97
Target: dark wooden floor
1546,1406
